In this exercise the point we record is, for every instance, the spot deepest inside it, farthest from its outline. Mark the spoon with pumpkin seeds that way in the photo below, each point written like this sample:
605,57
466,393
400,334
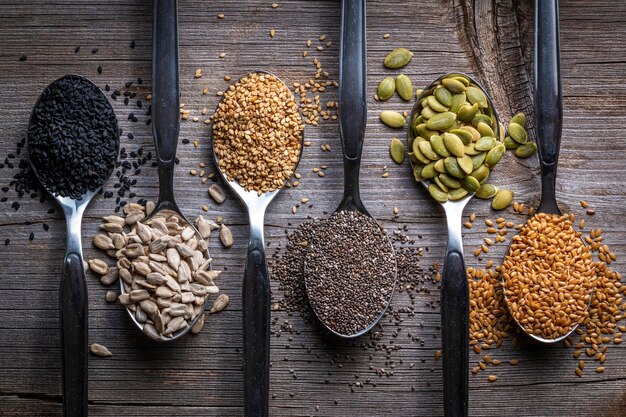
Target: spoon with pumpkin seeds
454,142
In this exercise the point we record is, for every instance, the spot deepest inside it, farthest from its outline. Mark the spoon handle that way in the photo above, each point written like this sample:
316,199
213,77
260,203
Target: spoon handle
256,324
165,92
548,98
73,323
455,321
352,93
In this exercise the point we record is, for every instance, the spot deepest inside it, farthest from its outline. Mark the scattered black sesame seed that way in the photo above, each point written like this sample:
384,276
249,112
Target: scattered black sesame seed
100,69
46,227
94,51
77,49
132,45
23,58
7,241
31,236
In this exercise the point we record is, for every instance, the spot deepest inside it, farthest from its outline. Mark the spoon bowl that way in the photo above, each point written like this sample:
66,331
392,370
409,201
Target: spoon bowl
454,285
73,289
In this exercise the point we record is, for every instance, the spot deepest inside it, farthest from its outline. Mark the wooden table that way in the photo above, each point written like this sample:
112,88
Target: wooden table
202,375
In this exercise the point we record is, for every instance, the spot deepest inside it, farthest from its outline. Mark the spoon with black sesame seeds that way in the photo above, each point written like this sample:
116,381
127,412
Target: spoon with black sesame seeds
258,134
73,143
449,119
350,268
165,128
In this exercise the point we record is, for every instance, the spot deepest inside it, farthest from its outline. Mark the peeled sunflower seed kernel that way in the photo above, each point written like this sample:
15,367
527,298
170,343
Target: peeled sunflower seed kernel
217,193
226,236
404,87
386,88
219,304
526,150
98,266
102,241
396,150
392,119
398,58
100,350
502,199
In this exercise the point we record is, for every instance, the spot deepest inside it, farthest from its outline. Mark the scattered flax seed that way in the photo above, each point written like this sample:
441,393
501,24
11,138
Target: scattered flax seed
222,55
319,47
472,217
584,204
193,172
274,5
386,36
385,175
468,225
205,207
600,369
492,378
304,200
198,73
438,354
220,15
395,210
322,38
513,362
294,209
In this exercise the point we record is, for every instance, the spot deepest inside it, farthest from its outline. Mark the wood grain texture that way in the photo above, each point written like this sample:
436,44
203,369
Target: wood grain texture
201,375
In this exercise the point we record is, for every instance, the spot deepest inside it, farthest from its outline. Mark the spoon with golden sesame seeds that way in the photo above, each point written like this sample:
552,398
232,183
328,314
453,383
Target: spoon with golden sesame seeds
447,185
548,222
258,134
352,123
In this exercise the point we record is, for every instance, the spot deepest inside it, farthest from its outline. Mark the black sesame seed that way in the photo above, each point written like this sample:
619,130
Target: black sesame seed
94,51
6,242
132,44
100,69
31,236
23,58
77,49
46,227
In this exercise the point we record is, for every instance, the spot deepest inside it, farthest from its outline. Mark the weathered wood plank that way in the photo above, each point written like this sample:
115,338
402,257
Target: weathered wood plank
202,375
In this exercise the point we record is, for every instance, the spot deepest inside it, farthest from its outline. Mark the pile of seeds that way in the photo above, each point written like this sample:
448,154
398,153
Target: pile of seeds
548,276
257,133
73,137
163,265
350,270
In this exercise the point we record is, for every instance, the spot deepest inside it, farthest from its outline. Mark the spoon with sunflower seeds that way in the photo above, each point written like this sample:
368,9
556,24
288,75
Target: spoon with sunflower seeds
454,138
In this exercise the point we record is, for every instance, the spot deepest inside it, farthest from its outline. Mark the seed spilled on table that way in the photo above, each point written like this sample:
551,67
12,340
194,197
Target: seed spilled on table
350,271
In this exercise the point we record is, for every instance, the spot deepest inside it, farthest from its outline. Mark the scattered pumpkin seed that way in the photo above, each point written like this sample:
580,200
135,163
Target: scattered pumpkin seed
404,87
386,88
518,133
398,58
392,119
502,199
396,150
526,150
486,191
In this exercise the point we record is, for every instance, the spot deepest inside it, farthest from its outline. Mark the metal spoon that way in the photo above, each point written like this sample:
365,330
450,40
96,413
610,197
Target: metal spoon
548,114
454,287
256,295
352,121
165,126
73,292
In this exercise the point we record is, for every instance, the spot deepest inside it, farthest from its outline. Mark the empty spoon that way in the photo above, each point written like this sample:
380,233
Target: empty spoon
352,122
165,128
454,286
548,101
256,280
72,132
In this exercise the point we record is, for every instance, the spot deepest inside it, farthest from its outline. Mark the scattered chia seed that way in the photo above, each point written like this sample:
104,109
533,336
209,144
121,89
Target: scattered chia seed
23,58
350,270
73,137
94,51
77,49
100,69
6,242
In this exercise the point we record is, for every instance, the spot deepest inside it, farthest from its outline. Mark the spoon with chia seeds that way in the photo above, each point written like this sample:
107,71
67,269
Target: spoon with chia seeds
347,300
73,143
448,181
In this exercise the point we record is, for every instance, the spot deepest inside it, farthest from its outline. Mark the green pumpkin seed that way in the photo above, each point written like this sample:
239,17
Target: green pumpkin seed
465,162
464,80
501,131
520,119
476,96
396,150
464,135
455,86
484,129
404,87
471,150
482,118
502,199
527,150
475,133
452,167
495,155
449,181
470,183
457,194
443,95
418,154
386,88
429,171
440,184
436,142
398,58
424,132
485,143
392,118
437,193
467,112
478,160
441,121
510,144
427,150
454,144
486,191
434,104
417,170
440,166
457,101
427,113
518,133
481,172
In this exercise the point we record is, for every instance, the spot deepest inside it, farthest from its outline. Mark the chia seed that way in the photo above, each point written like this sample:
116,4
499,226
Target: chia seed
73,137
350,271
